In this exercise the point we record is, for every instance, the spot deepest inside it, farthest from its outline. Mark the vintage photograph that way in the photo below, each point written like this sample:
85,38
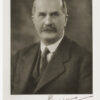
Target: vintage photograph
51,47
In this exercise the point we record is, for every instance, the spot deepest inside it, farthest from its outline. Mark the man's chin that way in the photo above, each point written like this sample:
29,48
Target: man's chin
48,36
49,40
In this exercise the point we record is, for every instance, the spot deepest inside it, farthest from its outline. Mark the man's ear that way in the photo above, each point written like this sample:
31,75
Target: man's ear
66,20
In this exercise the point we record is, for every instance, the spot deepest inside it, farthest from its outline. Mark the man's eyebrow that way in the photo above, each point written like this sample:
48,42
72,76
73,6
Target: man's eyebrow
42,13
54,13
51,13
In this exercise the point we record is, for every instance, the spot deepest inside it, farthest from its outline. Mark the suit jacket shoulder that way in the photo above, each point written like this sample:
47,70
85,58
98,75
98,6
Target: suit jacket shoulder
21,54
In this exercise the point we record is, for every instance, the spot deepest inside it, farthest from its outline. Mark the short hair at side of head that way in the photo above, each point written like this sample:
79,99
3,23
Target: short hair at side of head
64,7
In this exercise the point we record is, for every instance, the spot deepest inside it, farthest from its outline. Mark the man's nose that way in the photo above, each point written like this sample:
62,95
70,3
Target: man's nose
48,20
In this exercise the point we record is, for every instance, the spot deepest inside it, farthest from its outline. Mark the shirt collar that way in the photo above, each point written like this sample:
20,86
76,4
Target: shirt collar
51,47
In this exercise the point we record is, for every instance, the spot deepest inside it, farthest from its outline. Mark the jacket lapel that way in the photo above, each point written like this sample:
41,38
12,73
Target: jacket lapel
26,65
56,66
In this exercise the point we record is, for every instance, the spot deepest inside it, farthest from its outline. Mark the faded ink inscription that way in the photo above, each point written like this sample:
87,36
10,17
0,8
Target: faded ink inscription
72,98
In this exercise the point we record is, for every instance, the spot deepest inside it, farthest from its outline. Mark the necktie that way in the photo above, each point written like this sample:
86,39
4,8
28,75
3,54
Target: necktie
43,61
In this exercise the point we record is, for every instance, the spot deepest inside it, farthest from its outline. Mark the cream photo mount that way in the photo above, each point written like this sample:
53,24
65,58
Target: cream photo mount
7,69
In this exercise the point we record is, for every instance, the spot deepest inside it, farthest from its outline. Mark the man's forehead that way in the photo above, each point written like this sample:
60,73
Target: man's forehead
48,4
50,1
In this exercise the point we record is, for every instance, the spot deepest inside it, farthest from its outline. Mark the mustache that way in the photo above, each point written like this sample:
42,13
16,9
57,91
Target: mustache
49,28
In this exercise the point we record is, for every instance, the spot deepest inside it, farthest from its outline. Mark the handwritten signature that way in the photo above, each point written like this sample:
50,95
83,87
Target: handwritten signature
72,98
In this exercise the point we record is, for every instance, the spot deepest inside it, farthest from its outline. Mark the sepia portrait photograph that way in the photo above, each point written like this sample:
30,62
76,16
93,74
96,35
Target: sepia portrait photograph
49,50
51,47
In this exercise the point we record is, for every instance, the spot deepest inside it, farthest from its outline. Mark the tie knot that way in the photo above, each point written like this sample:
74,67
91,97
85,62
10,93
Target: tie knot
46,51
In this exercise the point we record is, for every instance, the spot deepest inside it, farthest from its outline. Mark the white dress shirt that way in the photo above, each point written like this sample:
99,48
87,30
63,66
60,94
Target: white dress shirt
51,48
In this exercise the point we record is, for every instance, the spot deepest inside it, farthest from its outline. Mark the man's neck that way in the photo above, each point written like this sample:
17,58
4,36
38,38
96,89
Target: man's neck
52,47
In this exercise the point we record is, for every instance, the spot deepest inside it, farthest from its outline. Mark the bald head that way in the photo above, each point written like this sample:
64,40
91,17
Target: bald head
62,4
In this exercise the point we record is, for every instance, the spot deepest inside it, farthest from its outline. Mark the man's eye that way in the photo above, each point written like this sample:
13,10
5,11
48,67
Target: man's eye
42,14
54,14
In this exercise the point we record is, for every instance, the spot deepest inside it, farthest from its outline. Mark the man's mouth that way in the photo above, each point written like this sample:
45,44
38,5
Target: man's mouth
49,30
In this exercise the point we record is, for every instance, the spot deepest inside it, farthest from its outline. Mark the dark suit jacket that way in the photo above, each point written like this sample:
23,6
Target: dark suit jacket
69,72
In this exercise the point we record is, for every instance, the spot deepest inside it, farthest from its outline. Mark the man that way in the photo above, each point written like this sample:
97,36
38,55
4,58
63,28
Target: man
56,65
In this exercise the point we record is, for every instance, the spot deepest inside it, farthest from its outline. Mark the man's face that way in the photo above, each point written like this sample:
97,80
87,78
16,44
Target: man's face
49,20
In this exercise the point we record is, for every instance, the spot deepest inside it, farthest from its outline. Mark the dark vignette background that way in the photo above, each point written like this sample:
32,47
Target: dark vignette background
79,27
